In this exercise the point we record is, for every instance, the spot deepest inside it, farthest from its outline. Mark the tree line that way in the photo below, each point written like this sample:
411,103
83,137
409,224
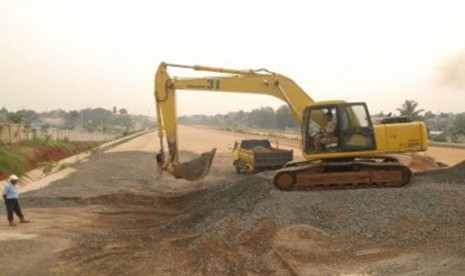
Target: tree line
89,119
443,127
262,118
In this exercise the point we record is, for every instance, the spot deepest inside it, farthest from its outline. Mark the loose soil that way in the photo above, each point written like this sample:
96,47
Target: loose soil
112,216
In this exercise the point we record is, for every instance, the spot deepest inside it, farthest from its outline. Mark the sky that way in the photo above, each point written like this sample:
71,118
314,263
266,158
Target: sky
73,55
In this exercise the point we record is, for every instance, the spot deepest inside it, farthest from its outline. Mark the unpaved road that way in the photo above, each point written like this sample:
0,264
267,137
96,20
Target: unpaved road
111,216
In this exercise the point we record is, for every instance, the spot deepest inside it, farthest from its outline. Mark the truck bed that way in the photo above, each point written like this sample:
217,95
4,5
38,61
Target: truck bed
266,158
273,158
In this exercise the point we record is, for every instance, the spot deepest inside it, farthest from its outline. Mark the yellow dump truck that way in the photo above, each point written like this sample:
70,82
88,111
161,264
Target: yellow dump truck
252,155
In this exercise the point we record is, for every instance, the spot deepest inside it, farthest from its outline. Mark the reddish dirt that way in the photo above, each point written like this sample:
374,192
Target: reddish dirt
423,163
48,154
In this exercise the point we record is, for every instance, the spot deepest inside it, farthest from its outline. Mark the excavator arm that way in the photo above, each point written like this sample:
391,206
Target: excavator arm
242,81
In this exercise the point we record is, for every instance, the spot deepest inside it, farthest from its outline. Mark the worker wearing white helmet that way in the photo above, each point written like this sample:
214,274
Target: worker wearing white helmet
10,194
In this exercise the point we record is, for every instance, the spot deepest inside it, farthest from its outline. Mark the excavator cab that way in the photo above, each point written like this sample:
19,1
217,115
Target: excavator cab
337,127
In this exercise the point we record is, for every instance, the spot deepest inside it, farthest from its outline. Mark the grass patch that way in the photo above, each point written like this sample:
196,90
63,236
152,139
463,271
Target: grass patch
12,162
47,166
64,166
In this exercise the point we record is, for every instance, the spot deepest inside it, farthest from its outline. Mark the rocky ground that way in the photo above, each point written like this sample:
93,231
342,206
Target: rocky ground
114,217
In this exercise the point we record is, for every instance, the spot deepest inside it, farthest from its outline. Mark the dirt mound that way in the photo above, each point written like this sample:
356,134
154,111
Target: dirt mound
423,163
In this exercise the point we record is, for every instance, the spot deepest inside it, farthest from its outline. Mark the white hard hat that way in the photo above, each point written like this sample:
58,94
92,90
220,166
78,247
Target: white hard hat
13,177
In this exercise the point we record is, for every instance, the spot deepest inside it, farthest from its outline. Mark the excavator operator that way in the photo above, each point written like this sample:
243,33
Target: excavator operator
328,134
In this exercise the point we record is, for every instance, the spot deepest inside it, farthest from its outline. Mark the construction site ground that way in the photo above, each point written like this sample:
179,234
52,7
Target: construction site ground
110,215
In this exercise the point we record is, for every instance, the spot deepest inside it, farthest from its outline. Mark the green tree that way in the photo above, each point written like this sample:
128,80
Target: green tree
459,125
14,118
262,118
44,131
71,119
240,117
409,108
124,121
96,118
27,115
429,115
284,118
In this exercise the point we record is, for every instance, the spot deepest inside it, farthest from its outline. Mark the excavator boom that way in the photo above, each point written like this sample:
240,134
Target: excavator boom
242,81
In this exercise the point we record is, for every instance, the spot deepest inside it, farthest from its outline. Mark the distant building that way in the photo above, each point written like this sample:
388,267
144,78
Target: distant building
436,133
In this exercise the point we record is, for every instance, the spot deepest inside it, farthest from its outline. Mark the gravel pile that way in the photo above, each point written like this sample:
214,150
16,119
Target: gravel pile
455,174
425,211
113,173
215,209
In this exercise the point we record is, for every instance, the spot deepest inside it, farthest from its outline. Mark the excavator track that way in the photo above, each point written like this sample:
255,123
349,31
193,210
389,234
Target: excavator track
363,173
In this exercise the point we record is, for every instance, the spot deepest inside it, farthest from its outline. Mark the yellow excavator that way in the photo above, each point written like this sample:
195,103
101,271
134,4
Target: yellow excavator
357,154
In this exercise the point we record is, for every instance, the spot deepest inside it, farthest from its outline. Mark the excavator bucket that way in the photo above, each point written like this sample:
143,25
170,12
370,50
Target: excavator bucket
197,168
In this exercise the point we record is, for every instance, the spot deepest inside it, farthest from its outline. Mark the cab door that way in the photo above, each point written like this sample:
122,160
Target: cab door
356,129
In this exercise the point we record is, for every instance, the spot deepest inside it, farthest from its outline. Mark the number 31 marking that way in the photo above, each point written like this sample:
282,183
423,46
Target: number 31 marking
213,84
